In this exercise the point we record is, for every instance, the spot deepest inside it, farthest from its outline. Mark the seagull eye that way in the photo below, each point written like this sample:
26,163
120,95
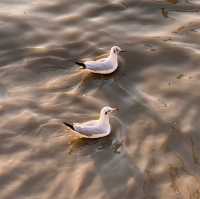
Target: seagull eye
106,112
114,50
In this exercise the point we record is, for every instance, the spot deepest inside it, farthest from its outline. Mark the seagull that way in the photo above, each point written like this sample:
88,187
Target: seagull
103,66
94,128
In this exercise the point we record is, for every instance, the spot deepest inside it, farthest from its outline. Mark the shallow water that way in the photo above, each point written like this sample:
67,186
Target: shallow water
153,151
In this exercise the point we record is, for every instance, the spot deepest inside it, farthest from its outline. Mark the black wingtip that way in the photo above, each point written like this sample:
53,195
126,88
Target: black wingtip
69,125
80,64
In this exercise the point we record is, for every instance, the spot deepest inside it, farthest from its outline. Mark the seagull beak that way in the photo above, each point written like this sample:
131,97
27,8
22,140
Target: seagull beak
115,109
122,51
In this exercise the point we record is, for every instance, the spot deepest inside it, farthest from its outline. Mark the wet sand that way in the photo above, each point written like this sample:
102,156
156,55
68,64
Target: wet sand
153,151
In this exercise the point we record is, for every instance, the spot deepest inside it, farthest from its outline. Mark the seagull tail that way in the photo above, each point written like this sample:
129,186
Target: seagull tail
69,125
81,64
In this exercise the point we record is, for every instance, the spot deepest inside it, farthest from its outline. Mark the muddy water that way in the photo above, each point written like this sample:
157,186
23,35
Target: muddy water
153,151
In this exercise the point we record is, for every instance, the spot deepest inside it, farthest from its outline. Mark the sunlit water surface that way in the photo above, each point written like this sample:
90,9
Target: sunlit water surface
153,151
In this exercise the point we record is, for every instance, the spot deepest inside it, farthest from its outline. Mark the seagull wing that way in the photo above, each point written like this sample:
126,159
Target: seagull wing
99,65
88,128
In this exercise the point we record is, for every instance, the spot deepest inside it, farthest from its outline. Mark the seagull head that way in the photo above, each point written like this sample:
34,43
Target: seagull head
106,110
116,50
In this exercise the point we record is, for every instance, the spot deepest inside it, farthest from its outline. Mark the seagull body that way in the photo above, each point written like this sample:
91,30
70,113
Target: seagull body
103,66
94,128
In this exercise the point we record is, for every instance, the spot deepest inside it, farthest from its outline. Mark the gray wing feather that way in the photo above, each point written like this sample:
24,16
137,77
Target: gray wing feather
88,128
99,65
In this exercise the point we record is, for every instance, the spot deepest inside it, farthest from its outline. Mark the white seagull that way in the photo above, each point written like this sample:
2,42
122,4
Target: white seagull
103,66
94,128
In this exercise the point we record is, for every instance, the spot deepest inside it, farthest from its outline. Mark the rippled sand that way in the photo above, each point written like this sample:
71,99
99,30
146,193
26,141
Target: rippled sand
153,152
